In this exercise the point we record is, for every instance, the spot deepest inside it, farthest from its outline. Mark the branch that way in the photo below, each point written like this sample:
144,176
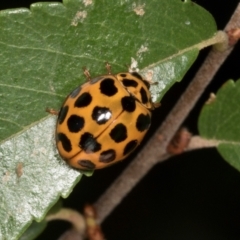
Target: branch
155,150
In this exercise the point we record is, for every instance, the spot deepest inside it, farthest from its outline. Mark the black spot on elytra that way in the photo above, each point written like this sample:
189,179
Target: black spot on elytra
75,123
137,75
128,104
108,88
83,100
89,144
86,164
107,156
123,75
75,92
101,114
147,84
118,133
62,114
129,83
130,147
143,122
66,143
144,97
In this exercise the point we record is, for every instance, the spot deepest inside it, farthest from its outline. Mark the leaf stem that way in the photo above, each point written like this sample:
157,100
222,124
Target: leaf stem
219,38
198,142
71,216
155,150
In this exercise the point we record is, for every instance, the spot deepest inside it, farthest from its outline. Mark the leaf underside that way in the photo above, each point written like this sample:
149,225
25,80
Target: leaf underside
219,120
42,53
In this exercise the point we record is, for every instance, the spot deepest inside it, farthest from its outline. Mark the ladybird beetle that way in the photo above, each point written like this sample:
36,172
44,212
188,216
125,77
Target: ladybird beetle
103,120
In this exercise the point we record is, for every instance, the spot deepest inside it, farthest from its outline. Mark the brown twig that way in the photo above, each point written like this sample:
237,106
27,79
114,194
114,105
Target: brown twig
155,150
93,231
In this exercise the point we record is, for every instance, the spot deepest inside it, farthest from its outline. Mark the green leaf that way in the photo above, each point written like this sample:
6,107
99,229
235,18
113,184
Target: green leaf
34,230
219,120
33,178
42,53
43,50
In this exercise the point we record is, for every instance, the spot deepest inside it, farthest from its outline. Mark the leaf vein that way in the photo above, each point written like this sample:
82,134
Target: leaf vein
7,120
30,89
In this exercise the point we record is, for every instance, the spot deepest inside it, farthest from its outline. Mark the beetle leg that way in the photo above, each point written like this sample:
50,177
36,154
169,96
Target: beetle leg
108,67
52,111
87,73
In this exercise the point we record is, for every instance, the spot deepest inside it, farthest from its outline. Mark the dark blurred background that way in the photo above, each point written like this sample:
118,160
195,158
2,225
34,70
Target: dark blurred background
192,196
